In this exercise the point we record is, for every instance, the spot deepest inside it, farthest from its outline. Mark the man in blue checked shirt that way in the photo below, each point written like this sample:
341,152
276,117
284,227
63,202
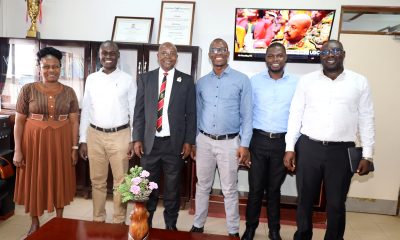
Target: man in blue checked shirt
224,120
273,90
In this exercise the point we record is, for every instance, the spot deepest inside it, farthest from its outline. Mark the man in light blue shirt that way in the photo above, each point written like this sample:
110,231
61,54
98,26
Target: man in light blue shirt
273,90
224,113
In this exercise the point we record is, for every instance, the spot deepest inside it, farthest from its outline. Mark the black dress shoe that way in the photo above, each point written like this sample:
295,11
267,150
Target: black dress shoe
249,234
233,235
172,228
196,229
274,235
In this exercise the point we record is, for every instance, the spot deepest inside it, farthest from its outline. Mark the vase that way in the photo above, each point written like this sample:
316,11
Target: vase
139,226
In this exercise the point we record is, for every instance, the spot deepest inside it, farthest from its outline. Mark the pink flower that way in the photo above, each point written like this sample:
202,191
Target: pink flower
144,174
153,185
135,189
136,180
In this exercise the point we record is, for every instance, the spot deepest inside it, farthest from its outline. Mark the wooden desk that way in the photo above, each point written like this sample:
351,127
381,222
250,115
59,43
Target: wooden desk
72,229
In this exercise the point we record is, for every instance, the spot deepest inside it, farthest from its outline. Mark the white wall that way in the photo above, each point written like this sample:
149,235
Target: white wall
377,57
93,20
2,15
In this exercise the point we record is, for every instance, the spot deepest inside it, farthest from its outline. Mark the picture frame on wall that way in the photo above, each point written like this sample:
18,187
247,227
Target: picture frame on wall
176,22
132,29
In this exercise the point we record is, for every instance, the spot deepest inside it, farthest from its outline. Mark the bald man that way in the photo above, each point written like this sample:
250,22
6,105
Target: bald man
295,33
164,129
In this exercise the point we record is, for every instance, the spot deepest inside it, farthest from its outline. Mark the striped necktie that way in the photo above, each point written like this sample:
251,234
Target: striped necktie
160,107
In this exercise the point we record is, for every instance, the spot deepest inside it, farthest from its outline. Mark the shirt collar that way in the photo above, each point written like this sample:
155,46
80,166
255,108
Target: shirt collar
170,72
340,77
115,71
226,71
266,74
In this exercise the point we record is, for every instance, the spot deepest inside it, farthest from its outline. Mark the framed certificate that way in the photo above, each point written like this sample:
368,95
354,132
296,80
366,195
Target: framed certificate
132,29
176,22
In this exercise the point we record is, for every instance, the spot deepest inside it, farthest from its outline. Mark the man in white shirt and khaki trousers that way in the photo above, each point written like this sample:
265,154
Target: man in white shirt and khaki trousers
328,110
105,130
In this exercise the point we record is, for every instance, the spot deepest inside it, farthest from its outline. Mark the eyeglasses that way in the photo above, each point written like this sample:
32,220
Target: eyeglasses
333,51
48,67
218,50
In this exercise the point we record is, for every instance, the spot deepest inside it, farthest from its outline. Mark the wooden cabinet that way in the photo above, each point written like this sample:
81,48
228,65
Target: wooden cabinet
5,136
7,205
137,59
17,66
80,58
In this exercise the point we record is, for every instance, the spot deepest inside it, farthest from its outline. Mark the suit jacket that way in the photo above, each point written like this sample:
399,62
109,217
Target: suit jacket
181,111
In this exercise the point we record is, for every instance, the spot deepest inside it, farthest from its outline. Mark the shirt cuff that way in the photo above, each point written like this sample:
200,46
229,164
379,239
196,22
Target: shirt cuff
289,147
82,139
367,152
244,143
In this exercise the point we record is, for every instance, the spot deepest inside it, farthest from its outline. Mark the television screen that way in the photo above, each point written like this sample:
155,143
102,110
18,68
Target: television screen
302,32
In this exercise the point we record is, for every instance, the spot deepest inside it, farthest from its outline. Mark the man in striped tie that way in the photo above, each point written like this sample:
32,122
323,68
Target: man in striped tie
164,128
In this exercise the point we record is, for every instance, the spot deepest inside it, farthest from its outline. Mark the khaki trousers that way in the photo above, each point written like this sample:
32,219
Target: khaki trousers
107,149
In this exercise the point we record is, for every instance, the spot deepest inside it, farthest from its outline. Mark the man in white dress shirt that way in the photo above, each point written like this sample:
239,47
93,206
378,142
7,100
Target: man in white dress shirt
328,110
105,129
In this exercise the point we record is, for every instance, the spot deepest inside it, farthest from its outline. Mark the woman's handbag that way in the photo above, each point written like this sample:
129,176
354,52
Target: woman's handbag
6,169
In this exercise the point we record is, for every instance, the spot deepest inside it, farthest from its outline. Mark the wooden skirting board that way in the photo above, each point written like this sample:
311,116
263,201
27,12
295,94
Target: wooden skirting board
288,210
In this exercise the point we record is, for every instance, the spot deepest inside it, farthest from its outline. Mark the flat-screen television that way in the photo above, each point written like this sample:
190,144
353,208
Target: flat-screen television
301,31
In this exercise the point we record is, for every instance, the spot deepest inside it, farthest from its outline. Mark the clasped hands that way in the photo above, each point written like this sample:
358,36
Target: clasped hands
138,149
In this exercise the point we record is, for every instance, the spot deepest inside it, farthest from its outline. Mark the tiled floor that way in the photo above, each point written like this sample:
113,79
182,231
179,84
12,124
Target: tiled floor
359,226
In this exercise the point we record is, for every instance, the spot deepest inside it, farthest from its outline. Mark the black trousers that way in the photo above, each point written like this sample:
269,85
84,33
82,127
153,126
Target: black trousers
163,158
266,174
316,163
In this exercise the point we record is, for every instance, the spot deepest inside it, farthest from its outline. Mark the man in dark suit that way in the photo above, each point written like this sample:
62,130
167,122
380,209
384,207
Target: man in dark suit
164,128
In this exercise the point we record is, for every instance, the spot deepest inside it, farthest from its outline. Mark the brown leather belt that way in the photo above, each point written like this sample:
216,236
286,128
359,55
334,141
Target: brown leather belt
110,130
43,117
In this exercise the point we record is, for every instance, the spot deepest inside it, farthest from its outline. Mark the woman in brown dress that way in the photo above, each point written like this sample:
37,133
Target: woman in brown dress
46,139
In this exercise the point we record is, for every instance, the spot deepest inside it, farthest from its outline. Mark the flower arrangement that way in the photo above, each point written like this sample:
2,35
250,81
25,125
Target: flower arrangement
136,186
